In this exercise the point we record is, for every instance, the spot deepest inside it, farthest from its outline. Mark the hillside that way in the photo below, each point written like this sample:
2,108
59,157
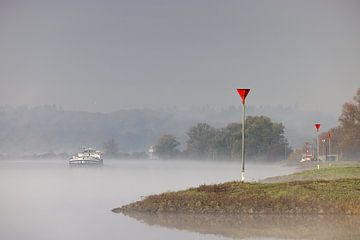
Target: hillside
51,129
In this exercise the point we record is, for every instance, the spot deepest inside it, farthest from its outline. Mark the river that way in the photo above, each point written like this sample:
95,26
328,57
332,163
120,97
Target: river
48,200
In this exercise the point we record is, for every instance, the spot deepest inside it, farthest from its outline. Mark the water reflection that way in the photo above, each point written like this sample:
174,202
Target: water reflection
259,226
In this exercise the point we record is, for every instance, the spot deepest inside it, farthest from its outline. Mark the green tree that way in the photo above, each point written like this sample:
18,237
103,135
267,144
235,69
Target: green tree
228,141
264,138
166,147
201,142
222,143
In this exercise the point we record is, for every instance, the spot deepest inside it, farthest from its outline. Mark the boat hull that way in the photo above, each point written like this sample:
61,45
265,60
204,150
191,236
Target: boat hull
85,162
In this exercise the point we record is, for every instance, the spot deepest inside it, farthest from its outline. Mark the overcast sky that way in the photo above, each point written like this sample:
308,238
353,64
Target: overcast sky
109,55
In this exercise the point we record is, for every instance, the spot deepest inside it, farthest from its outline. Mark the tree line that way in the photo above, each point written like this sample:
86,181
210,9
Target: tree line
264,140
345,138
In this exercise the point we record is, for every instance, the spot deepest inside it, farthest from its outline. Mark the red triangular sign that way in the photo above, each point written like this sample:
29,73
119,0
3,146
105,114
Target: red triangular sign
317,125
243,92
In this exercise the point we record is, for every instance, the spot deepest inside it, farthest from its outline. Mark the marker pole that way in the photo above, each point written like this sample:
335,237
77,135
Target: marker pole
317,150
243,144
329,147
317,126
243,92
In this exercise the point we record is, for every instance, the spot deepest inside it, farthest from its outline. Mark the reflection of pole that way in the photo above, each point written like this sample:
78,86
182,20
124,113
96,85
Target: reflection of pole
243,144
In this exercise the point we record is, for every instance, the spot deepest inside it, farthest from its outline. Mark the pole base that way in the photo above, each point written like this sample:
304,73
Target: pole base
318,166
242,176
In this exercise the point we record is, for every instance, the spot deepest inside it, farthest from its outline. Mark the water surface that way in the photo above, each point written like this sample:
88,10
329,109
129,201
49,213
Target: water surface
45,199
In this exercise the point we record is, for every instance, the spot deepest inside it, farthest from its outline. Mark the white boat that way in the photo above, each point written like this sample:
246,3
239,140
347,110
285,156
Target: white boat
88,156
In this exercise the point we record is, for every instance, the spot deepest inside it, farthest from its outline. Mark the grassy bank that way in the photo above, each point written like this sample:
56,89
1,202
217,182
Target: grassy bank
325,173
311,196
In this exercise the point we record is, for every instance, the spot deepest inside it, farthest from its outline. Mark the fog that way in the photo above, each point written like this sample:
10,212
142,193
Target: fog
100,59
48,200
111,55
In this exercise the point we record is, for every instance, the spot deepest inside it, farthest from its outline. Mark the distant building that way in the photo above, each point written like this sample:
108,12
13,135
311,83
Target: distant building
151,152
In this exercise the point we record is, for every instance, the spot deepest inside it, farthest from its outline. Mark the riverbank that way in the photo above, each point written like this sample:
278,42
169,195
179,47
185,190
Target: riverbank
289,195
334,172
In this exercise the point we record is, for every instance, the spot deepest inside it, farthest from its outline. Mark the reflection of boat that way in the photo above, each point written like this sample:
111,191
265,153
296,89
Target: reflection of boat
319,227
88,156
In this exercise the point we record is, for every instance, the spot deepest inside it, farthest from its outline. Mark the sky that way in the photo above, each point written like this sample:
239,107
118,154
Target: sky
108,55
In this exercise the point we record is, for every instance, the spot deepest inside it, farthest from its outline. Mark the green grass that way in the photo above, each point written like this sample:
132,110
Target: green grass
324,173
311,195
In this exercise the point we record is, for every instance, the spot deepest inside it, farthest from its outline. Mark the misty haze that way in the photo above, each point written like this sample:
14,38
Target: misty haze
128,119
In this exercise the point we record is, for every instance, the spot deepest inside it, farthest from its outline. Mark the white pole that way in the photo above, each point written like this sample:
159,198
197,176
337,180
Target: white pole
317,150
243,144
329,148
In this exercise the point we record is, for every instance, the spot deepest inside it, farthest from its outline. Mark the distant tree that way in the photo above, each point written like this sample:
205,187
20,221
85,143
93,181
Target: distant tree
350,127
233,131
111,148
166,147
335,135
222,143
201,142
227,141
264,136
279,151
